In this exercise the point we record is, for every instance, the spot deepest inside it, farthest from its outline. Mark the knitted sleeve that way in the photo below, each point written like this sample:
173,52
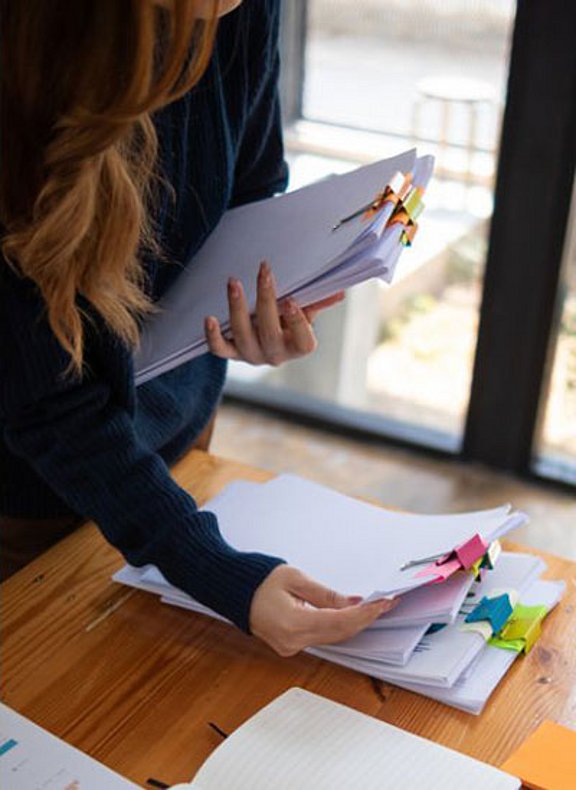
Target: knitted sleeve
79,437
261,170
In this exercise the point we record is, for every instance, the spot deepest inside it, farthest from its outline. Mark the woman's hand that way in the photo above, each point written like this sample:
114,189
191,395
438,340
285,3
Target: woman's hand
280,617
275,334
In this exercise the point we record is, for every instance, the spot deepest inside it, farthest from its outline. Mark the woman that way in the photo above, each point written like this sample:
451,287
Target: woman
130,126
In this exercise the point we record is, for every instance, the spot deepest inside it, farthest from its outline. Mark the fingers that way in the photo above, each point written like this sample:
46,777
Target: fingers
388,604
245,338
326,626
301,337
320,596
217,343
279,617
312,310
270,334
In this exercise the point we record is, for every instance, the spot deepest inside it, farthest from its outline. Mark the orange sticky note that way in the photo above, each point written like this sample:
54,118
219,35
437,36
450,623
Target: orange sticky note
547,759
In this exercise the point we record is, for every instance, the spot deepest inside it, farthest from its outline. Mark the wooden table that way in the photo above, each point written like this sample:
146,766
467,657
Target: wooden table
134,683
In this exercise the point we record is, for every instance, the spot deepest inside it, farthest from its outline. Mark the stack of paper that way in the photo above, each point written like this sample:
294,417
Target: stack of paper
358,548
318,240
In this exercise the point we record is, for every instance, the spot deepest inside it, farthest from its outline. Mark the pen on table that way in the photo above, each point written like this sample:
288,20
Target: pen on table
162,785
217,729
156,783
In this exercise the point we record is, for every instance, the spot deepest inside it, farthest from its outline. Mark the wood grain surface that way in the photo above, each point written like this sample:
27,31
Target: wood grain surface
135,683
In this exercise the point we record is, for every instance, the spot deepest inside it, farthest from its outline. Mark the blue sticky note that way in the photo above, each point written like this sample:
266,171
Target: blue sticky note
496,610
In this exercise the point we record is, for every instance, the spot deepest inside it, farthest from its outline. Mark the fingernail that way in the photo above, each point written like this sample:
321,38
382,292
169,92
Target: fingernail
265,274
211,324
290,308
233,288
355,599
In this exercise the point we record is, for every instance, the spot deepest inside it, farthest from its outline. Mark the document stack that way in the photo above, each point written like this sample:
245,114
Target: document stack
318,240
466,609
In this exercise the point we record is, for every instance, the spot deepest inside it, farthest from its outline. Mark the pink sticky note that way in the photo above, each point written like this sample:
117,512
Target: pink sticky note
441,572
467,553
471,550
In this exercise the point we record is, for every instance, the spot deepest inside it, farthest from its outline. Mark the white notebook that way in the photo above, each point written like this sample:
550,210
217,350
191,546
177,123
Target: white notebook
302,741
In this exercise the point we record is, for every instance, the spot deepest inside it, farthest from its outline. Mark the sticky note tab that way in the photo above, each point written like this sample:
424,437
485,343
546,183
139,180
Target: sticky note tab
522,630
496,610
412,203
547,759
482,627
477,569
471,550
466,553
441,572
399,182
462,557
408,234
490,559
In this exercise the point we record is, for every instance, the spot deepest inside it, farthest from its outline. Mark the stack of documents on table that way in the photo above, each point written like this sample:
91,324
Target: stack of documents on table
356,548
318,240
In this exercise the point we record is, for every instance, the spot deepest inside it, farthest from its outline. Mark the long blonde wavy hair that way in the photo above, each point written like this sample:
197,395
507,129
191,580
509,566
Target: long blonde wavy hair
80,80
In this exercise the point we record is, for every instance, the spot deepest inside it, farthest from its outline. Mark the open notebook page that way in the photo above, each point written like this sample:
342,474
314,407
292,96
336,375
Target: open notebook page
303,741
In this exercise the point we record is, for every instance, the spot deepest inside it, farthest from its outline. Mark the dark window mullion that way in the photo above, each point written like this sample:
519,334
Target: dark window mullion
293,53
532,199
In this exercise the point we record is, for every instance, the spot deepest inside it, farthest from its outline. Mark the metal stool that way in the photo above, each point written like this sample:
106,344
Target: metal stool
448,91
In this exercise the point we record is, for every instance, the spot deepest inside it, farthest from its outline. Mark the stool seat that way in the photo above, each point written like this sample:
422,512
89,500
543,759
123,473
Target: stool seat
447,92
456,89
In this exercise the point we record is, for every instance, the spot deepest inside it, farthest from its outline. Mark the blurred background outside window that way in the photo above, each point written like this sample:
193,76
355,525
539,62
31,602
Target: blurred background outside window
380,76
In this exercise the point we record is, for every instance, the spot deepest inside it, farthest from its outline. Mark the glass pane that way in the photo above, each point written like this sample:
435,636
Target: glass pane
381,76
556,449
369,63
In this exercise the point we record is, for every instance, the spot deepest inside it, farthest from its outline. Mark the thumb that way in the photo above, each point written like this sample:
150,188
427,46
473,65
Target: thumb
320,596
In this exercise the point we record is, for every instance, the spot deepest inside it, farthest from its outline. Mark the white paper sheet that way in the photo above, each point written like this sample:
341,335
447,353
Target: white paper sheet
438,660
389,646
348,545
435,603
31,758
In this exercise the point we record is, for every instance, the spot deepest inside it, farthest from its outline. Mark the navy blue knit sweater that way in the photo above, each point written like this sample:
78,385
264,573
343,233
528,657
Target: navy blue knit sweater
99,447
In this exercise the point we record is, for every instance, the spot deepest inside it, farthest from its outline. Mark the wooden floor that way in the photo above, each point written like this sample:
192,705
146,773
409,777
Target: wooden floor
395,477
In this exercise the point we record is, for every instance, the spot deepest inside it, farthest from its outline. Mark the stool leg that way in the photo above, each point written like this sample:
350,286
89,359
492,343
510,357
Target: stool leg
444,126
416,118
471,147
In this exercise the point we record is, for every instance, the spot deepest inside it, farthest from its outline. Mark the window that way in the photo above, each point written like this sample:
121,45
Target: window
427,361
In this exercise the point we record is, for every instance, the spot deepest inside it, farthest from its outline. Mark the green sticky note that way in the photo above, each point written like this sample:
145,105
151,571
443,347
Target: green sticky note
522,630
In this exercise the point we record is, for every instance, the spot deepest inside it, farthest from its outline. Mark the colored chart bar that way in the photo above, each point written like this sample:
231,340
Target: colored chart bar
7,745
